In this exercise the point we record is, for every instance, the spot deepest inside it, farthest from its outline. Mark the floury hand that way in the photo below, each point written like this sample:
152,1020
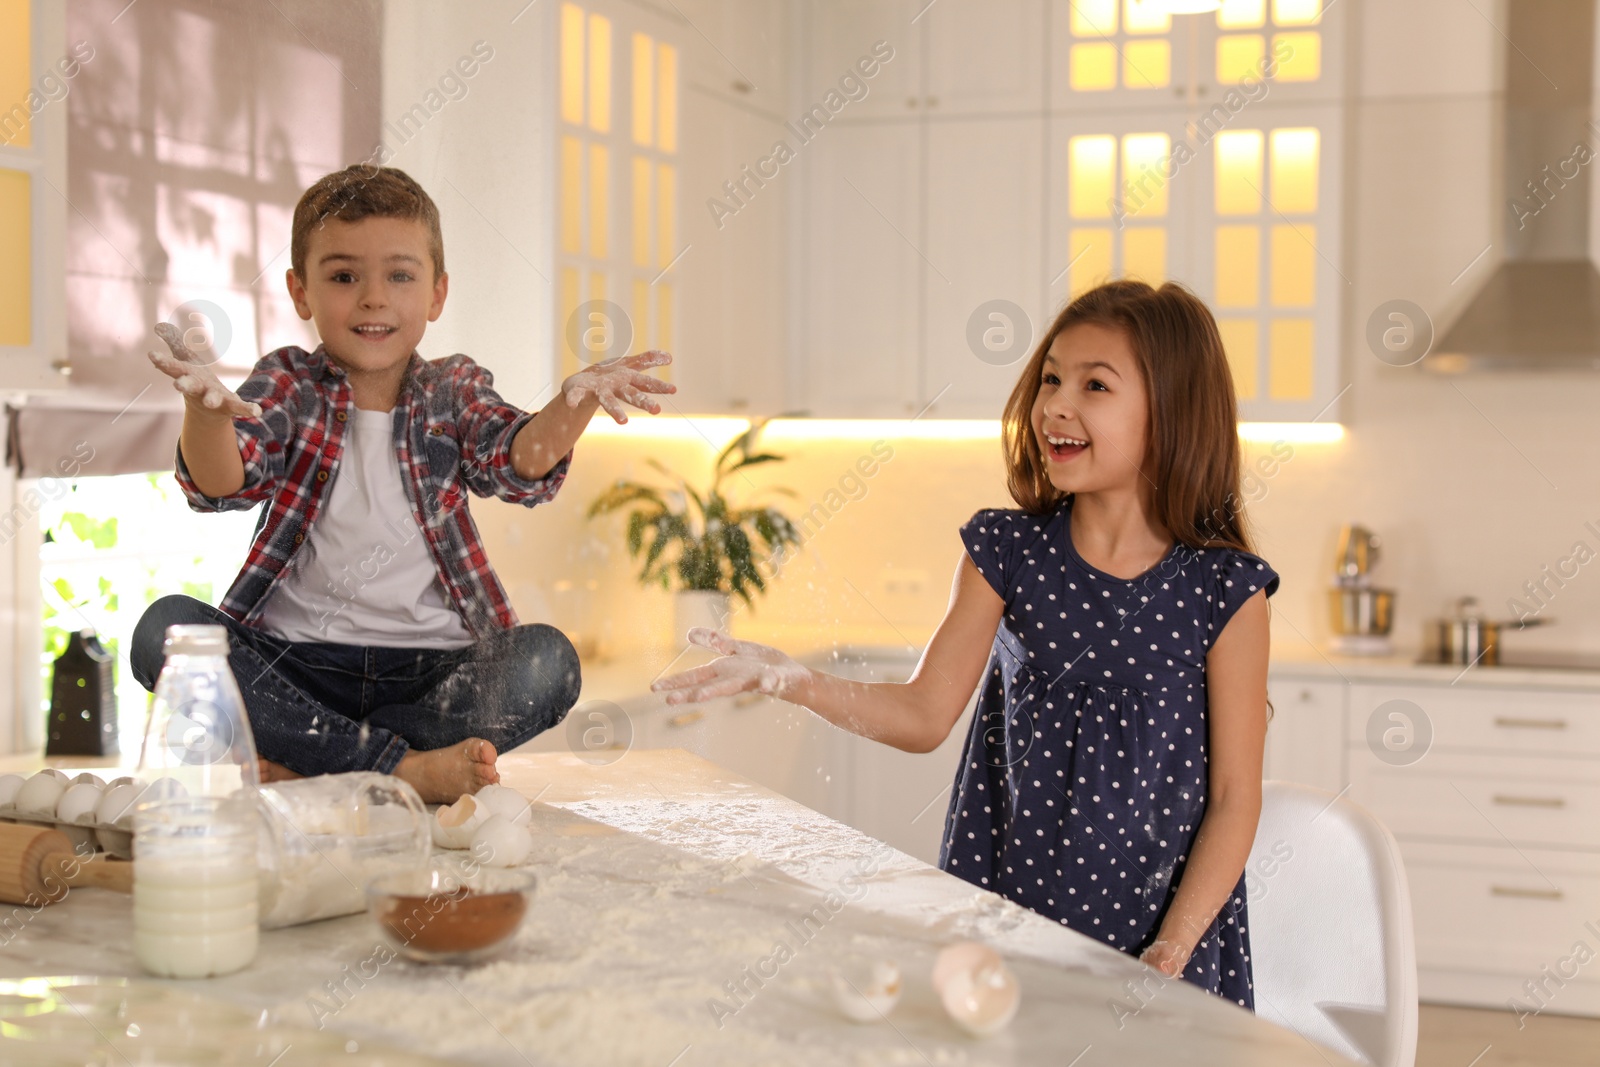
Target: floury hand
620,381
196,380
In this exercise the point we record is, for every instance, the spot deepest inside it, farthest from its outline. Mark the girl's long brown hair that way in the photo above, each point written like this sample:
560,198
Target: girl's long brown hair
1192,448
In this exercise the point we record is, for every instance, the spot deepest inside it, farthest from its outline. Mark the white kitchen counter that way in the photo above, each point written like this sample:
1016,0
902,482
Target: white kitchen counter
663,879
1310,662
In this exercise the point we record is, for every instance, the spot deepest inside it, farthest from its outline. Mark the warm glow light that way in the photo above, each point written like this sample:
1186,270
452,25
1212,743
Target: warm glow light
717,431
572,63
872,429
713,430
1299,433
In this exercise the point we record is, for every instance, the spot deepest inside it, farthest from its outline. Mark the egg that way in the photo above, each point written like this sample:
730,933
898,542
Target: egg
866,993
499,842
976,988
86,778
503,800
61,776
115,801
79,799
38,795
163,789
454,825
9,784
126,779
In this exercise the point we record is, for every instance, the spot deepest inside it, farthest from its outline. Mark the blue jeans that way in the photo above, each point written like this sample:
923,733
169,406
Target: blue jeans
325,708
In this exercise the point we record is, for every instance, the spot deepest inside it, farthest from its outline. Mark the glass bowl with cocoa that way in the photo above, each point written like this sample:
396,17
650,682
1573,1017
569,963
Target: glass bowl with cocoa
448,911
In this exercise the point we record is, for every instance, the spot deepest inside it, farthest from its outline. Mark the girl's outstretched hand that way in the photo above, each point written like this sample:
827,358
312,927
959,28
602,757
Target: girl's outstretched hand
1168,957
620,381
744,667
196,380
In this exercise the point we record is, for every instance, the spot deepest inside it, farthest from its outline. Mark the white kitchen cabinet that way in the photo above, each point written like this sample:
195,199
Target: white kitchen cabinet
738,49
1305,737
1492,792
983,57
840,33
984,244
861,317
902,797
733,277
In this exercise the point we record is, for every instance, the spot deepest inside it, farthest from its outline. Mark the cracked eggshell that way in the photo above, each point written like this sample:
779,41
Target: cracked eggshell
453,825
499,842
78,800
503,800
9,784
976,988
867,994
39,794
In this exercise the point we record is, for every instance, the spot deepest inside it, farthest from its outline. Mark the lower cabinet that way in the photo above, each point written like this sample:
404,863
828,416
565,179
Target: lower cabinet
1493,794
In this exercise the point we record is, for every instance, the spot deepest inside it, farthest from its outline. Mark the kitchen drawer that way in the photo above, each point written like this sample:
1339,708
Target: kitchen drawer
1490,799
1501,720
1495,909
1305,734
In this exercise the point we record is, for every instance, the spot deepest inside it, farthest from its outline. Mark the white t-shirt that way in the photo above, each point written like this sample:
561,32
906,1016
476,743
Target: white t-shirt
364,575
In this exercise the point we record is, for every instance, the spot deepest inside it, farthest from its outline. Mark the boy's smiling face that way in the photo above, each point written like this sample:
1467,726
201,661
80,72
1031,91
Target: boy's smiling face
371,290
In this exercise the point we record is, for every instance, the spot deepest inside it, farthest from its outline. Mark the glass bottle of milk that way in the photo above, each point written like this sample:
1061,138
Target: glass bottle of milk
195,885
197,740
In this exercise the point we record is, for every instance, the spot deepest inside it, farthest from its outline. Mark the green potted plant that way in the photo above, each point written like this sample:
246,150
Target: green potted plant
699,544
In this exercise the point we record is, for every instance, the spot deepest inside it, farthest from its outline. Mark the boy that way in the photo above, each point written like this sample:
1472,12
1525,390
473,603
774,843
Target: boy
367,629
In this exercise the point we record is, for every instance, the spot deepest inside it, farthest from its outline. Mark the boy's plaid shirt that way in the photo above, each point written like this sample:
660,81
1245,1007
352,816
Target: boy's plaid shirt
452,433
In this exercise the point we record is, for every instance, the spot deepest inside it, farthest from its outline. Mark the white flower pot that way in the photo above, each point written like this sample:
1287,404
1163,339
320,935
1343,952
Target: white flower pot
696,607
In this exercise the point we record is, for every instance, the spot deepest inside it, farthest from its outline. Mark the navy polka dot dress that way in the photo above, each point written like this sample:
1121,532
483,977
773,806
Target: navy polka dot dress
1083,780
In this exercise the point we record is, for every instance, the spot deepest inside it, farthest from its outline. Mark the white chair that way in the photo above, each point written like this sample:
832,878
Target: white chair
1331,943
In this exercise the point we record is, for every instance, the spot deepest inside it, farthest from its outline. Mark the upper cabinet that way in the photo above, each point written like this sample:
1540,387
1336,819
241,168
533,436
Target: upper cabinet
36,66
1022,153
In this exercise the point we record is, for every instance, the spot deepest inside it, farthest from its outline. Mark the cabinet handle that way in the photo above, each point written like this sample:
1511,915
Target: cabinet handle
1529,724
911,101
686,718
1529,802
1307,696
1529,894
933,101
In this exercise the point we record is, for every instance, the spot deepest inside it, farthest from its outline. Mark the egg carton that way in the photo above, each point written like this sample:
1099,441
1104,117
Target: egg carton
85,829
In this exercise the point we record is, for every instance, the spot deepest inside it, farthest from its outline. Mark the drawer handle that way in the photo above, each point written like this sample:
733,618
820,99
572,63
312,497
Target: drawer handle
1530,802
686,718
1530,894
1530,724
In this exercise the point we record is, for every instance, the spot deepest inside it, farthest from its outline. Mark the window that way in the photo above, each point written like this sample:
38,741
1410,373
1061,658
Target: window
617,196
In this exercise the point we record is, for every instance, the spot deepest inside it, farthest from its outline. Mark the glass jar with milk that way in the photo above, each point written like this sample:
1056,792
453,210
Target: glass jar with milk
195,887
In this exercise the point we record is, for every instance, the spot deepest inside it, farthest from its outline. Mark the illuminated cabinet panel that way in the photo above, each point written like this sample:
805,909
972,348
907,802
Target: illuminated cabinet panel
16,258
1272,237
616,196
33,211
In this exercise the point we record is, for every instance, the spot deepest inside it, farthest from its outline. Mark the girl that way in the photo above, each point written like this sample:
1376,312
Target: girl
1117,623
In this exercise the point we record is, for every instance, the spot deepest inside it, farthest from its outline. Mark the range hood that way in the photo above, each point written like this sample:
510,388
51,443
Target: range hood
1540,309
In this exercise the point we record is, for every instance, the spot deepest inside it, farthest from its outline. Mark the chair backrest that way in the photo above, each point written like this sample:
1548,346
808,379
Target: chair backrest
1331,945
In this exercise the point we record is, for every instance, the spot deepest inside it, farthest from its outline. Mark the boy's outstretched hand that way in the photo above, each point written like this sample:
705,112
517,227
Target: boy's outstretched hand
196,380
620,381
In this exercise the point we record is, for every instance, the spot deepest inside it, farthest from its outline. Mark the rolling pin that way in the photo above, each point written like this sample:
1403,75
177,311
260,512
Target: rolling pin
38,865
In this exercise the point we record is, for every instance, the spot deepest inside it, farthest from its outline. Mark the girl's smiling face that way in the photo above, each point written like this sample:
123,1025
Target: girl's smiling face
1091,418
371,289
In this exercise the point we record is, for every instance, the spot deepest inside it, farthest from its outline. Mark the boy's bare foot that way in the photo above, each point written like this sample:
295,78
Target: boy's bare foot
441,775
275,772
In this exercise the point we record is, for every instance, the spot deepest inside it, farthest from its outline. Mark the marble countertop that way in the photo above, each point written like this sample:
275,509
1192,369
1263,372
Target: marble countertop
665,882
